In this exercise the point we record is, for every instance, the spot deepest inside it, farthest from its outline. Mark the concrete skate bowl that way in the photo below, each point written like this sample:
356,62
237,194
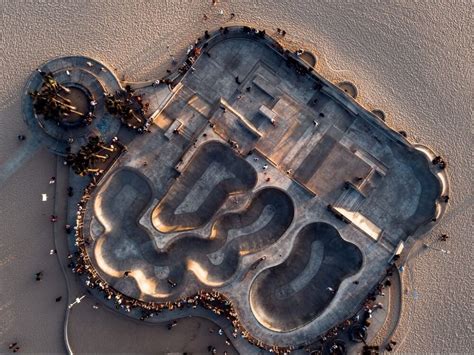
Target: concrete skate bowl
215,260
125,246
119,204
123,197
214,173
257,227
292,294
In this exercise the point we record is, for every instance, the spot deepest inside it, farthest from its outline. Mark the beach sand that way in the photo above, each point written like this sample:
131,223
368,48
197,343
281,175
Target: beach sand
409,59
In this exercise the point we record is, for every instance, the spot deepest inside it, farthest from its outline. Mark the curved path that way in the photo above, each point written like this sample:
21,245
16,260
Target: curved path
91,77
22,155
394,312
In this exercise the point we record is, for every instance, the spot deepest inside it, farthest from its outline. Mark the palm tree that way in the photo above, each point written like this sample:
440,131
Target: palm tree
128,106
52,83
85,161
50,102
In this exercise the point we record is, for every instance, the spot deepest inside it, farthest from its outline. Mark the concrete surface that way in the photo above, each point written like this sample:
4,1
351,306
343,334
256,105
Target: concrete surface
390,50
193,176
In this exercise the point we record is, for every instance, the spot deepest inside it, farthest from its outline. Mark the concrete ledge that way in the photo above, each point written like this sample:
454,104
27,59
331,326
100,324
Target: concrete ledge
247,124
361,222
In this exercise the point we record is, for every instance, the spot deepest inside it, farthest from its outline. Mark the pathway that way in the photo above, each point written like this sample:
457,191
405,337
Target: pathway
22,155
394,304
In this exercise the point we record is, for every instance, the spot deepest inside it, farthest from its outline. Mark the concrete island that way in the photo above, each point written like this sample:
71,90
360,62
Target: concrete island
243,183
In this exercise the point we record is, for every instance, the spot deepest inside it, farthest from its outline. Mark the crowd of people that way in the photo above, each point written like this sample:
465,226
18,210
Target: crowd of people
129,107
439,162
201,46
81,264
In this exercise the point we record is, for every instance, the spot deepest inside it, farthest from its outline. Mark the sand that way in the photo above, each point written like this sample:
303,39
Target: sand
409,59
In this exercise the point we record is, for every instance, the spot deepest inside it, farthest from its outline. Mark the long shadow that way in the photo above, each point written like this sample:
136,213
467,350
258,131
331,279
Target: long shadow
127,245
21,156
251,233
319,261
231,174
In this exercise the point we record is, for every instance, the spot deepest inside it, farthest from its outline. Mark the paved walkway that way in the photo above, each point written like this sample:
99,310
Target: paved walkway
393,309
76,288
21,156
30,314
108,332
90,76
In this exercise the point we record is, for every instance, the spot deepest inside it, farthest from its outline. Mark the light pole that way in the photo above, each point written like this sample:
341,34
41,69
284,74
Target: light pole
437,249
77,300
